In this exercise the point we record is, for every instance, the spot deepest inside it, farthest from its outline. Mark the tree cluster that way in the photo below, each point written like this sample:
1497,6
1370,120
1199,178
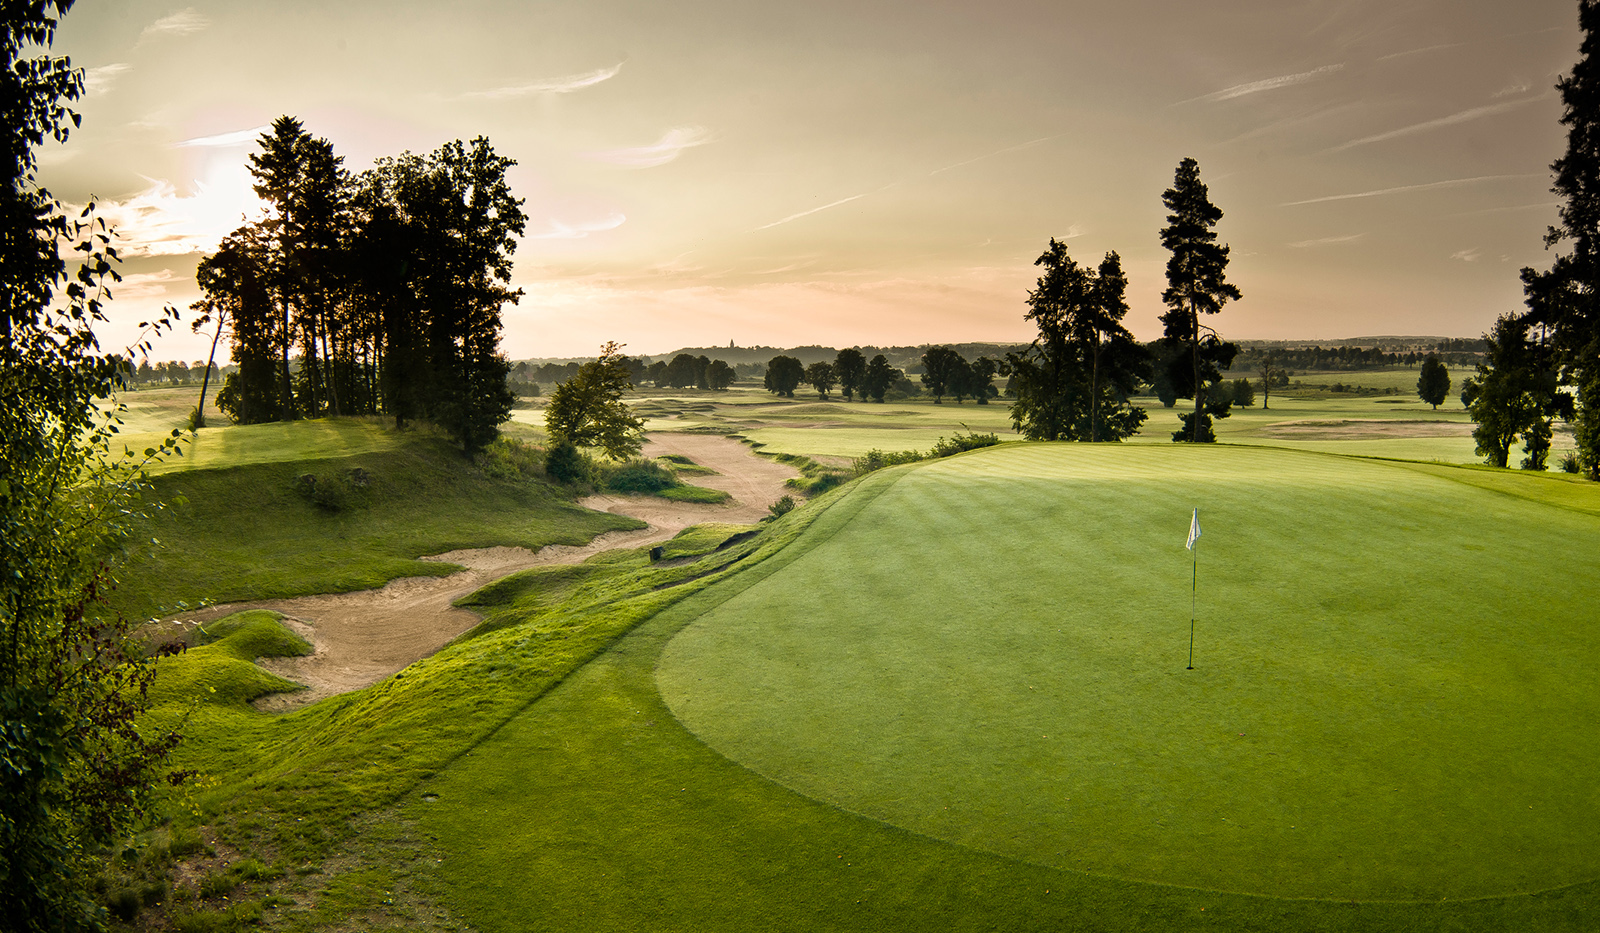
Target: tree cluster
378,292
856,377
685,372
946,372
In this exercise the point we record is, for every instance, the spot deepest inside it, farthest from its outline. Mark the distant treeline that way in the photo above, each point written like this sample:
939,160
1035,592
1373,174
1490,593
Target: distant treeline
1345,357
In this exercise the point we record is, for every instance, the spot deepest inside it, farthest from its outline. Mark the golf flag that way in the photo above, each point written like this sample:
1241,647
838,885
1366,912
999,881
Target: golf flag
1194,530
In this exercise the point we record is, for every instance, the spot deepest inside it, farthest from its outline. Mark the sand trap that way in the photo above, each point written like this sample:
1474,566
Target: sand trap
1361,430
365,636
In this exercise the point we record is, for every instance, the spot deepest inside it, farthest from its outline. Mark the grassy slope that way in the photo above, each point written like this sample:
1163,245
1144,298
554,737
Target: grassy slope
594,809
246,533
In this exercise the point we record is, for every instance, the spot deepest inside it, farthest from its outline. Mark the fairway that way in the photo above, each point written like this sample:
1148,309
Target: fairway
1394,695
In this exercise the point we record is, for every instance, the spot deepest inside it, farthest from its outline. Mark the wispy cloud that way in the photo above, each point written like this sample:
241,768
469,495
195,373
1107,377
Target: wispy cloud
564,85
1427,48
1465,116
668,147
990,155
1427,186
1326,241
182,23
222,140
1265,84
1516,87
146,284
814,210
99,80
564,231
1468,255
158,221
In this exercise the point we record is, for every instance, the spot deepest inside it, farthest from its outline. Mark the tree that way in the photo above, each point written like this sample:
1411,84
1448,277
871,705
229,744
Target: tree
1196,286
879,377
719,375
941,366
1433,381
1507,398
784,374
1074,381
851,369
588,411
1270,371
684,371
75,772
1244,394
820,376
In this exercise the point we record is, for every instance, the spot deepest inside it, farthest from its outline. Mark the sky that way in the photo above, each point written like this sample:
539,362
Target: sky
860,173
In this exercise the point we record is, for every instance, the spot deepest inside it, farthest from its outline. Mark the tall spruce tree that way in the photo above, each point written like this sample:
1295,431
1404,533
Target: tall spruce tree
1196,287
1567,298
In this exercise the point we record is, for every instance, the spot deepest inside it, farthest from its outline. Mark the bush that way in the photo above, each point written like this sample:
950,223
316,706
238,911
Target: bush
564,463
335,491
960,443
876,459
1569,463
780,508
637,476
510,460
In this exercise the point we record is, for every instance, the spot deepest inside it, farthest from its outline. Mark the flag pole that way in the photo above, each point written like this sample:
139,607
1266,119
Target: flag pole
1193,544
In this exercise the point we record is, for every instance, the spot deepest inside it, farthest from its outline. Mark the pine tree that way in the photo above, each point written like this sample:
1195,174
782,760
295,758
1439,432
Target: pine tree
1196,286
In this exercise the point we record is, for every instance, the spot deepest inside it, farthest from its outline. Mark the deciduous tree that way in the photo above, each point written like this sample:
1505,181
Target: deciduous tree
1433,381
941,369
879,377
588,411
784,375
851,369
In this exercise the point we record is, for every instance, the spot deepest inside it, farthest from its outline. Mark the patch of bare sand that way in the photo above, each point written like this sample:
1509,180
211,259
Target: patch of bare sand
362,637
1361,430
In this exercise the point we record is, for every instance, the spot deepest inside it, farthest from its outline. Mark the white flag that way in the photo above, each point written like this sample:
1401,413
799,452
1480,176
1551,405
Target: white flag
1194,530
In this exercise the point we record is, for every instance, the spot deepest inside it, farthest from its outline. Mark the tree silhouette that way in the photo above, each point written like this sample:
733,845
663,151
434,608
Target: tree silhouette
1433,381
1196,286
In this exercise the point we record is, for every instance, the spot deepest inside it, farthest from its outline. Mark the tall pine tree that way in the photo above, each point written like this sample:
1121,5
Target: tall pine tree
1196,287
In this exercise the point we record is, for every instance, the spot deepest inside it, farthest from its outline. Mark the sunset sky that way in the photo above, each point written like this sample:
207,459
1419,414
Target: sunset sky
865,173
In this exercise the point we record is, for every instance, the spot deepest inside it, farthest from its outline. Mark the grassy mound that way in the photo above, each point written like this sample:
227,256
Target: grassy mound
261,530
1393,696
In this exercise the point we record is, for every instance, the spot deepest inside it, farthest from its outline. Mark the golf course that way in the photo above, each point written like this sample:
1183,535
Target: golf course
951,694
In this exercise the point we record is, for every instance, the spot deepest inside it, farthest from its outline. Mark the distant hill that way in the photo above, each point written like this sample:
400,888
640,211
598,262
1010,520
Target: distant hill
734,355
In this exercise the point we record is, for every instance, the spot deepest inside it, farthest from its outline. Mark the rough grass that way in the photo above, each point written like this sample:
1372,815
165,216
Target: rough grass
245,532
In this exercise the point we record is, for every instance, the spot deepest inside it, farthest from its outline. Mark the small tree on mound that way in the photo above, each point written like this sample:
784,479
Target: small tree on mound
587,410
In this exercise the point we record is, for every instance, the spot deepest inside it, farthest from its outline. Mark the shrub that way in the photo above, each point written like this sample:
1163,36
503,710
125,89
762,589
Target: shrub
511,460
959,443
637,476
876,459
780,508
1569,463
564,463
335,491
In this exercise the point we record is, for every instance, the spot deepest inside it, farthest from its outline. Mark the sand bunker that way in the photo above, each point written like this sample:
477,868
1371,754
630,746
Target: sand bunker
1359,430
362,637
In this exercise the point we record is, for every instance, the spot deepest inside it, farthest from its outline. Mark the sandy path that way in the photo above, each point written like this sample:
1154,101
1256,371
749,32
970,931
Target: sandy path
363,637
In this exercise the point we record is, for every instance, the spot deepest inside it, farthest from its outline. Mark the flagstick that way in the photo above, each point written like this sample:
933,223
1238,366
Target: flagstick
1194,586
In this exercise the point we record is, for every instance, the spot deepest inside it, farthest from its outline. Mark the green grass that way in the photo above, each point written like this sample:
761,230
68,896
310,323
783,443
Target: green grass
245,532
1392,698
690,493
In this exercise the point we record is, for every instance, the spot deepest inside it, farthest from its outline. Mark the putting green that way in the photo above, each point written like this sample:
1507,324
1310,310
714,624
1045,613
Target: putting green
1394,694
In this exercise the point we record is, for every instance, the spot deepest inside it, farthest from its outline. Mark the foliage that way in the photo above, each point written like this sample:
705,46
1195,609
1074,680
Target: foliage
1074,381
942,371
779,509
850,367
510,459
820,376
587,410
335,490
76,768
1514,394
378,293
784,374
879,377
1433,381
960,443
876,459
636,476
1244,394
1196,286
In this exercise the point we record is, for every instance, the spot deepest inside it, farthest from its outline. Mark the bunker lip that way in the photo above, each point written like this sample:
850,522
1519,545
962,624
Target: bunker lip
363,637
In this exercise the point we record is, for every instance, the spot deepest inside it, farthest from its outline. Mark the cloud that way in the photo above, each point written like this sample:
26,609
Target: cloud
145,284
159,221
1428,186
853,197
222,140
564,85
990,155
182,23
563,231
1467,255
1426,48
668,147
1326,241
1516,87
1265,84
1463,117
99,80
